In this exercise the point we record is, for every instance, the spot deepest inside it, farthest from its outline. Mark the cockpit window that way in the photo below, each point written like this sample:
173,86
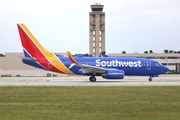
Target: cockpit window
158,64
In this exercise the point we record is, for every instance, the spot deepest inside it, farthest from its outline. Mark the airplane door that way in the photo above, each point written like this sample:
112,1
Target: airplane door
49,65
148,65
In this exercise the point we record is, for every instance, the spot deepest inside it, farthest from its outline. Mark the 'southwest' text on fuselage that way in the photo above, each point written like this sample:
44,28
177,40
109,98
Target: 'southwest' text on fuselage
116,63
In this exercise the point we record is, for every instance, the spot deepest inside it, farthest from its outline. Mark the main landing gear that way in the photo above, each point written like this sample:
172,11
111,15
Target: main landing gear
150,79
92,79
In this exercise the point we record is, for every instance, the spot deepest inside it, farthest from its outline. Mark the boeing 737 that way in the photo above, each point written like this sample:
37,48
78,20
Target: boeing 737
108,67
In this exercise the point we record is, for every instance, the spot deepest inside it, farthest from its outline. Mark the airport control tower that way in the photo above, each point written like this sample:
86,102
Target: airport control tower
96,30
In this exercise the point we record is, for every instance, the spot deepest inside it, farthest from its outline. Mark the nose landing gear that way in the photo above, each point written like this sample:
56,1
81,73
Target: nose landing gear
150,79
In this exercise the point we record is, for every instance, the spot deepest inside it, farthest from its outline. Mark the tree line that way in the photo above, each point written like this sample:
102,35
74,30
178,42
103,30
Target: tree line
151,51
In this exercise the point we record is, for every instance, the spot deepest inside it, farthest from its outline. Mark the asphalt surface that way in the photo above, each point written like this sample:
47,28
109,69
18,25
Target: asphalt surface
164,80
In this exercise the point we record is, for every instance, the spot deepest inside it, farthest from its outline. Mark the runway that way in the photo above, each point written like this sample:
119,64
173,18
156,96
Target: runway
163,80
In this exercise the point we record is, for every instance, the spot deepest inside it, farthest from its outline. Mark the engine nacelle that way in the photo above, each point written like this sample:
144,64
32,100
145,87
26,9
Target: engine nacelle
113,74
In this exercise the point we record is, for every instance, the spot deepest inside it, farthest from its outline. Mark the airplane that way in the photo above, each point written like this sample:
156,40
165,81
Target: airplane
108,67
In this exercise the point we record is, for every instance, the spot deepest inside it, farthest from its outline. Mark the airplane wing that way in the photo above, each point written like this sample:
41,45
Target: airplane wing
91,69
86,68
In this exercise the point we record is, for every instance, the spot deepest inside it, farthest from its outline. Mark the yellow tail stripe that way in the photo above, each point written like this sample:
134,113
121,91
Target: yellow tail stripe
52,58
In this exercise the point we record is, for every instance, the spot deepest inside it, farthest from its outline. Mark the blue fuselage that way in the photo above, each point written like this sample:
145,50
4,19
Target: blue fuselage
131,66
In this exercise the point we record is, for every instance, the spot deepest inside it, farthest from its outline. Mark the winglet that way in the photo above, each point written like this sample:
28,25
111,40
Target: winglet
72,58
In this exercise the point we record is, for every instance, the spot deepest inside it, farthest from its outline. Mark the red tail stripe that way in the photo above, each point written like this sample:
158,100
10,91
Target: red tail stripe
32,49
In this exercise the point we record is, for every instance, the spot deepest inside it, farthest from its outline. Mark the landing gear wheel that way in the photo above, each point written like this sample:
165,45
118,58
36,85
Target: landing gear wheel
92,79
150,79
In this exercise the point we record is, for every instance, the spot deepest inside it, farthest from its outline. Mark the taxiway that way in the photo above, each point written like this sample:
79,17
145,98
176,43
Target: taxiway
163,80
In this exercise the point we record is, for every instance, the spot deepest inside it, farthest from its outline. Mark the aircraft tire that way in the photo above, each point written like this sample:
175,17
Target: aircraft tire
92,79
150,79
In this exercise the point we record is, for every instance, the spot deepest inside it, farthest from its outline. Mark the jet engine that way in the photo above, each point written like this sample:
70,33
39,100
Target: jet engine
113,74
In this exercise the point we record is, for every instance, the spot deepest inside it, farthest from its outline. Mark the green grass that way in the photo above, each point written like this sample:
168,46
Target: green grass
89,103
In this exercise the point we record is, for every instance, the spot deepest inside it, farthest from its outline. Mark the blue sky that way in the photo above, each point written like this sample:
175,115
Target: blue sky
61,25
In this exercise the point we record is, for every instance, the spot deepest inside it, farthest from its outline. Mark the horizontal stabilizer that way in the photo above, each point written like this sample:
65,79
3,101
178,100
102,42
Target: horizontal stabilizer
27,58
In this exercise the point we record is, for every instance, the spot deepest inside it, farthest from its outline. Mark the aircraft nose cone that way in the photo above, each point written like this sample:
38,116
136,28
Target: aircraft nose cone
165,69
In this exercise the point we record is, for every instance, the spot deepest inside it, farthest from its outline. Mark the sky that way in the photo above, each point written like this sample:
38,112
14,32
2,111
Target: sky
61,25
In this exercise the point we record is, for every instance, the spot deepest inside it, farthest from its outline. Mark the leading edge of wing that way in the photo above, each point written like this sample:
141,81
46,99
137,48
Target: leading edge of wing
86,68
